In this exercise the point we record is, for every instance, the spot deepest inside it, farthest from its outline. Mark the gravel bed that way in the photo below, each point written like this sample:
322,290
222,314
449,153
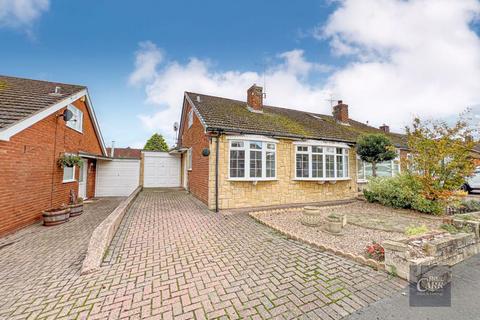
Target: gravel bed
353,240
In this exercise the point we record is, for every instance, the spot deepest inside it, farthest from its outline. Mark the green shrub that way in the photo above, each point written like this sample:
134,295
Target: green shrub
471,205
401,191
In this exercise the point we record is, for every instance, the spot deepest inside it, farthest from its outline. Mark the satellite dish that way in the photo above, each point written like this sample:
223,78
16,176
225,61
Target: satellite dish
175,126
67,115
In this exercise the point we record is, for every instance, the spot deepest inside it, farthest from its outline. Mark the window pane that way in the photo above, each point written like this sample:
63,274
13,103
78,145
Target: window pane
68,173
237,144
271,146
270,164
317,149
317,166
302,148
384,169
360,172
339,151
255,163
329,166
345,165
302,165
256,145
368,170
339,166
237,164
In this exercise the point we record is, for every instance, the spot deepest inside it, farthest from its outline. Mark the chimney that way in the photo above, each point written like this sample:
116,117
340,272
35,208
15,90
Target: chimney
385,128
255,98
112,151
340,112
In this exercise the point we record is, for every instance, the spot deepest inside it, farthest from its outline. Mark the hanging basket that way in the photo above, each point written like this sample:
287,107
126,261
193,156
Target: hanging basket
69,161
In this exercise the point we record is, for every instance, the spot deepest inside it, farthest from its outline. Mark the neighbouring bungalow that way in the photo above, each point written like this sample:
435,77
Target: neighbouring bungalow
238,154
34,134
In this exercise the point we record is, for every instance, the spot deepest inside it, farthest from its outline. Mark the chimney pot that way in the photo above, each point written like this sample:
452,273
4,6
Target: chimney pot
385,128
255,98
340,112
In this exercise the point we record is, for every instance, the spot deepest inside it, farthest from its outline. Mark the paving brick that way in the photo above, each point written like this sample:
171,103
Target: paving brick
172,258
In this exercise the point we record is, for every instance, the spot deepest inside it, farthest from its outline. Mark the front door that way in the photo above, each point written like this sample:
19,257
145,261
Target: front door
185,171
82,180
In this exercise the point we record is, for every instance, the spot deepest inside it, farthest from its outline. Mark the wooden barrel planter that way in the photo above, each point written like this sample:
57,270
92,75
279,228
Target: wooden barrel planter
76,209
57,216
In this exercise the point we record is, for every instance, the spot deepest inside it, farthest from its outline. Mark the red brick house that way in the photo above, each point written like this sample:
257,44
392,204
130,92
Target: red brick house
244,154
33,135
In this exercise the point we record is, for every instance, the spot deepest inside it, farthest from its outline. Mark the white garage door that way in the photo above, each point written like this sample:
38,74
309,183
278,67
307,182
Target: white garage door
161,170
118,177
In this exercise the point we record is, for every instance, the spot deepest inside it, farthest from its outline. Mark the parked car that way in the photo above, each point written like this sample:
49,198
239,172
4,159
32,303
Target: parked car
472,183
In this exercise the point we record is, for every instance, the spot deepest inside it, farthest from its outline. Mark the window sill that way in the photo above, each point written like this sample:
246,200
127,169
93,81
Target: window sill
362,181
68,181
251,179
322,179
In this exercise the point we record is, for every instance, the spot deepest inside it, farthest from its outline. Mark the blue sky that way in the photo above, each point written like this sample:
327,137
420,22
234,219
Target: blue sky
309,51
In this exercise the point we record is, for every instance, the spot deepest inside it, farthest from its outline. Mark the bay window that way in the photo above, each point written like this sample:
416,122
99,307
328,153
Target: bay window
317,161
384,169
251,159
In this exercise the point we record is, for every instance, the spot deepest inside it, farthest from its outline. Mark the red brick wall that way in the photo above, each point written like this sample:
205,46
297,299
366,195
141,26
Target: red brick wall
195,138
28,165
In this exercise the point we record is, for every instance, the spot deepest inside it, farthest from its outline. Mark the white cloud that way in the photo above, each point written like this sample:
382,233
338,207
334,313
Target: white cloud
409,57
147,58
417,57
286,86
21,13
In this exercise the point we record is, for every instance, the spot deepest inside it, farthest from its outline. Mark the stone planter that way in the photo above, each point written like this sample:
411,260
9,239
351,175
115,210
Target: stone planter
334,224
76,209
56,216
311,216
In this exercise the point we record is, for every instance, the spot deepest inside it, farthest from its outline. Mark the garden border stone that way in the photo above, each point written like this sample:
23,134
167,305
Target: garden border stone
347,255
103,234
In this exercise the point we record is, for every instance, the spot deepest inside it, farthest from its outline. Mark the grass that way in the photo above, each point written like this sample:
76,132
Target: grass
416,230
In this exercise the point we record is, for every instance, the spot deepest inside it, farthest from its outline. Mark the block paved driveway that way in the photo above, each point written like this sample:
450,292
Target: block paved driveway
172,258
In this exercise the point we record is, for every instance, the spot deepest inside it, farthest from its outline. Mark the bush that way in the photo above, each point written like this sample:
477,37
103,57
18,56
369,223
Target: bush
401,191
471,205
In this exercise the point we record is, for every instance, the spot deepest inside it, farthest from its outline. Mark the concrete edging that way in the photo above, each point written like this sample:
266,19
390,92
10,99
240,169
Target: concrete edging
103,234
379,266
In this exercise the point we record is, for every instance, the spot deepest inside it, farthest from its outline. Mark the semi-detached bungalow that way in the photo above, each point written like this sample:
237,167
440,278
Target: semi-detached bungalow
238,154
33,135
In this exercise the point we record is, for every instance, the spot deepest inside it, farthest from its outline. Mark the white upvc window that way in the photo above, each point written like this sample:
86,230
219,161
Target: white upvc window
384,169
317,161
190,118
252,160
68,174
76,122
189,159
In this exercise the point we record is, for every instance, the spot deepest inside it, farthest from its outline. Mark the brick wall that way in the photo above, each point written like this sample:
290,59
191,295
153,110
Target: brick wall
285,190
28,166
195,138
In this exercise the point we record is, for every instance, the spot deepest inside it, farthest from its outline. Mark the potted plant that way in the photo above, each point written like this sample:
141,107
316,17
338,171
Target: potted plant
52,217
76,207
69,160
334,224
311,216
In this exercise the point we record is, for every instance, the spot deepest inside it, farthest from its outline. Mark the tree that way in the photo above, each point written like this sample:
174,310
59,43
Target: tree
156,143
374,148
441,155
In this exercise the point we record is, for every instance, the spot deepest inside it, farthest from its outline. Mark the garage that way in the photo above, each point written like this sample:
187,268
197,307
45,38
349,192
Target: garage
117,177
161,169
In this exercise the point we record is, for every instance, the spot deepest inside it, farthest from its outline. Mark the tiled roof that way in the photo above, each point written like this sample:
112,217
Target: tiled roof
21,98
233,115
125,153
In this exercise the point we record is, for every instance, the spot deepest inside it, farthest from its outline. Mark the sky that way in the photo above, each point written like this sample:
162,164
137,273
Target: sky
389,60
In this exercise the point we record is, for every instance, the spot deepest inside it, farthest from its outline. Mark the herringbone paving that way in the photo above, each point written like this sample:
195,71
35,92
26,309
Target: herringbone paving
172,258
